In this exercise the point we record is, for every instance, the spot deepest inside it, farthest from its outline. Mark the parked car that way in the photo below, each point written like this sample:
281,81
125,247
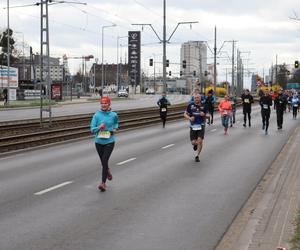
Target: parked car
150,92
122,93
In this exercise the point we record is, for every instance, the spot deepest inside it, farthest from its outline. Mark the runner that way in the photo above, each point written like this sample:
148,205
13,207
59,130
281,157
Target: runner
163,103
266,104
225,109
295,105
247,101
210,105
104,124
280,103
195,113
233,101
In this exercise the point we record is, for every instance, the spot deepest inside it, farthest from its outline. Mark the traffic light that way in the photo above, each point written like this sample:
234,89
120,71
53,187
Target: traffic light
170,73
167,63
205,73
194,73
184,64
180,73
151,62
296,64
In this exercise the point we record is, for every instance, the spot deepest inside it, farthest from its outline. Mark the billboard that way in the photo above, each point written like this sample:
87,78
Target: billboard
56,91
13,77
134,57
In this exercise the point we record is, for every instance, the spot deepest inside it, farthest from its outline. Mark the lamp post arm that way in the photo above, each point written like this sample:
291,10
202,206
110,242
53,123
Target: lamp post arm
149,24
168,40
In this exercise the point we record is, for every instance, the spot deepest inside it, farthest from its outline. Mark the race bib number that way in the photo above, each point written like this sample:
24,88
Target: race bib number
295,105
104,134
246,101
225,112
163,110
265,106
196,128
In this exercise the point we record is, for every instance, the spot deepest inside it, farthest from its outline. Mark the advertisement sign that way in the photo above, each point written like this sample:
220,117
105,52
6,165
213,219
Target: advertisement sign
134,57
56,91
13,77
12,94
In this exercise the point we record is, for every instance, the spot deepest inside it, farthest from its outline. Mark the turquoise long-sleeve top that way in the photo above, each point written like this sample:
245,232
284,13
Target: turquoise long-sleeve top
111,121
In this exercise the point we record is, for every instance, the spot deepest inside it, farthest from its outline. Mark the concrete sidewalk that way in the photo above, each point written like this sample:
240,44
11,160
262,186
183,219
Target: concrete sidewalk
267,220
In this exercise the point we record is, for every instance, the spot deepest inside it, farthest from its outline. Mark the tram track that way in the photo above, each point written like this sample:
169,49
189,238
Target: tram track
18,135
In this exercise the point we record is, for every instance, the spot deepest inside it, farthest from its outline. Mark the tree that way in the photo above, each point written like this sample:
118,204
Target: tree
4,50
282,76
296,77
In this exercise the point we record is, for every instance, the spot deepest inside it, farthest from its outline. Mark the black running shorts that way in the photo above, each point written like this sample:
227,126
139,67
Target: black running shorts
195,134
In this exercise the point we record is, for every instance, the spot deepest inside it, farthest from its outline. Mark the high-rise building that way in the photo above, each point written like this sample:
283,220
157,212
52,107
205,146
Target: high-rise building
195,55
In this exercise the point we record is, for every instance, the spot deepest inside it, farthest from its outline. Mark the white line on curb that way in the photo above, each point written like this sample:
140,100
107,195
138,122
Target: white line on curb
168,146
53,188
123,162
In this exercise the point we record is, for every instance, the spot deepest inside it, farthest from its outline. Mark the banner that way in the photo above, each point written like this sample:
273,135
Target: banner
13,77
134,57
56,91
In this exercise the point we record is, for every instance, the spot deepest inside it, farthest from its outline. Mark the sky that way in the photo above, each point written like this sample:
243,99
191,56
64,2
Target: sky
262,29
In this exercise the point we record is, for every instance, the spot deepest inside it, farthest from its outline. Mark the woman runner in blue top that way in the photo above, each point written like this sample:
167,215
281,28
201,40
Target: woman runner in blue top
104,124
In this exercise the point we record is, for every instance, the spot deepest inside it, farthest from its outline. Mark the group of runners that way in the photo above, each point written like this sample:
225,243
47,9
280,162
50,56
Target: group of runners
199,111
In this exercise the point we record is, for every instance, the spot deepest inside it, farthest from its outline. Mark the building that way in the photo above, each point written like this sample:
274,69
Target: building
56,69
194,53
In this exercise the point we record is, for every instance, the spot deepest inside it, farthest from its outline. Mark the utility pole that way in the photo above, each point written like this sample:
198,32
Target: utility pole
164,41
45,45
215,62
232,69
164,50
200,69
276,71
8,55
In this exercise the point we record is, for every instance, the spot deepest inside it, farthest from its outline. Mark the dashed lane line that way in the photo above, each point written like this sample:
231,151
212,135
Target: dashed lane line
53,188
123,162
168,146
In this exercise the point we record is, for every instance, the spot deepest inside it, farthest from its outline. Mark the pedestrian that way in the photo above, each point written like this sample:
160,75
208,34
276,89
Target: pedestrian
195,92
104,125
295,104
266,103
196,114
280,104
5,96
163,104
210,106
247,100
225,109
233,101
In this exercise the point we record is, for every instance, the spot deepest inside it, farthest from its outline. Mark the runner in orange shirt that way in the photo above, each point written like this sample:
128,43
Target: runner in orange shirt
225,109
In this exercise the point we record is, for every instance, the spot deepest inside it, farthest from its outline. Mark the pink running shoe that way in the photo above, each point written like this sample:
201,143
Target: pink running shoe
109,175
102,187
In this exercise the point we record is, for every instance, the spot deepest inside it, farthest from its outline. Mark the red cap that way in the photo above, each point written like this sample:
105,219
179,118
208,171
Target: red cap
105,99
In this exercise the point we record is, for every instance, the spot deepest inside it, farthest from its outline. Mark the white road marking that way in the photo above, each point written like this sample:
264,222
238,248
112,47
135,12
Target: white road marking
53,188
123,162
168,146
213,130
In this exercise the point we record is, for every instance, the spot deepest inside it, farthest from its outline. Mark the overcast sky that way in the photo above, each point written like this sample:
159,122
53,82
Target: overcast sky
263,28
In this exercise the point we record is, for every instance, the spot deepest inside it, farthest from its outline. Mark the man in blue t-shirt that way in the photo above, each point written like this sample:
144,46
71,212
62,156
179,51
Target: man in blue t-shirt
196,114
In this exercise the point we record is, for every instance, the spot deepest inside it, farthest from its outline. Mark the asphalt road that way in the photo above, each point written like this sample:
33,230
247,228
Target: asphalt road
90,107
159,197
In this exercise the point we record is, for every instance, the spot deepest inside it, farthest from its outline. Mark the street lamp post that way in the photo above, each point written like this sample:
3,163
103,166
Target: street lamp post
96,63
102,66
117,78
